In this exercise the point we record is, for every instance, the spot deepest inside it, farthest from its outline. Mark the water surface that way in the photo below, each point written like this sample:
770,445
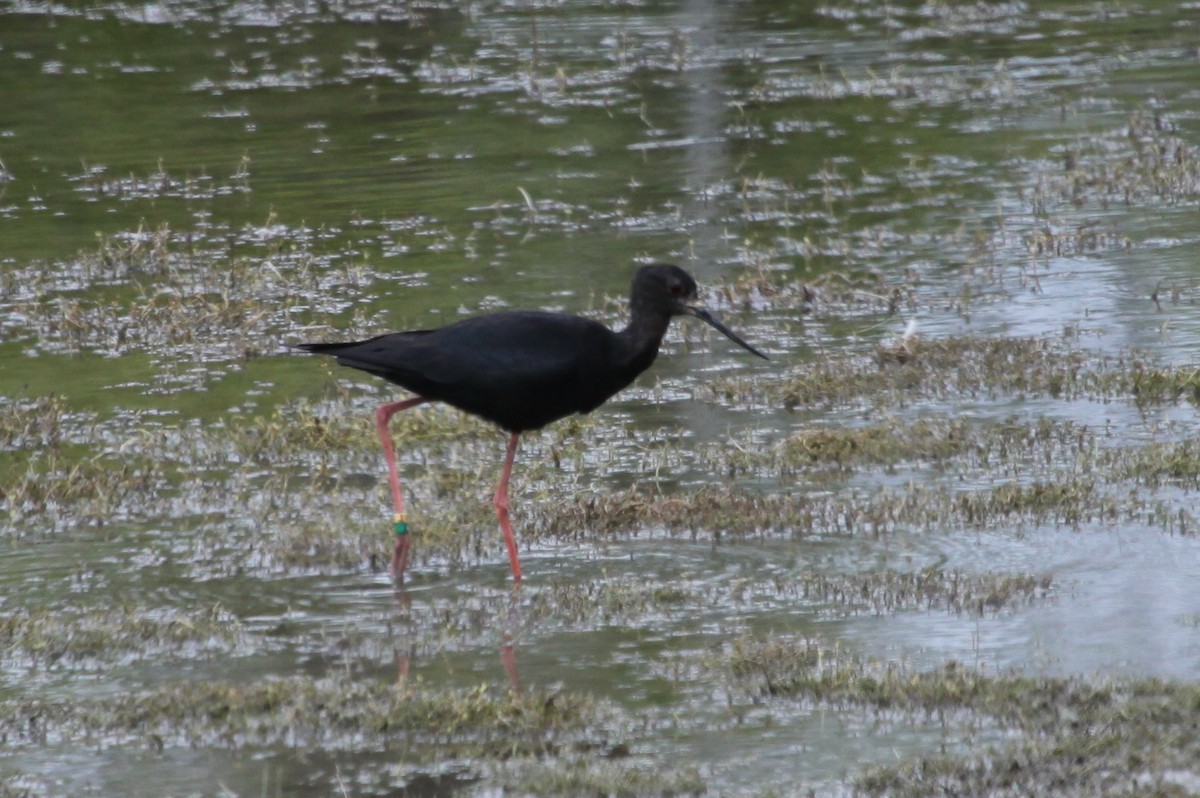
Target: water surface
1011,170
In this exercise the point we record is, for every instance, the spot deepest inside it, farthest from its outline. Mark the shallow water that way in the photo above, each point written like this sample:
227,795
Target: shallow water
1019,170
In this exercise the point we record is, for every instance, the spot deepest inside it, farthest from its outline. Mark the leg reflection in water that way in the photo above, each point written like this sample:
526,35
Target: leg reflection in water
508,652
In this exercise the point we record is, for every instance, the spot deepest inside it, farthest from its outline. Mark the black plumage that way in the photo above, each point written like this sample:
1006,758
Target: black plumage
522,370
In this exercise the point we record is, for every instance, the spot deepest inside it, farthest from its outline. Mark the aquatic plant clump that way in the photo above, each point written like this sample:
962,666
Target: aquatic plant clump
333,714
65,638
1074,736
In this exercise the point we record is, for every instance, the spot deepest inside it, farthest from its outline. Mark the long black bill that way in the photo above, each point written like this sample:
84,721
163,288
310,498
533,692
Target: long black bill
710,319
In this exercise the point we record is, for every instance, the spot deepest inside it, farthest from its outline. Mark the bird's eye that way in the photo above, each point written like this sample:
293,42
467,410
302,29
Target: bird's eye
676,289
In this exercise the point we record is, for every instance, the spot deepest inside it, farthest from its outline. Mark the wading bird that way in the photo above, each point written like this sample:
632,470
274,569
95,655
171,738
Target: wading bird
520,370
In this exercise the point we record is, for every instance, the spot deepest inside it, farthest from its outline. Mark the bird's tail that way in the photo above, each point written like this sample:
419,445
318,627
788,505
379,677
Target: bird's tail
320,349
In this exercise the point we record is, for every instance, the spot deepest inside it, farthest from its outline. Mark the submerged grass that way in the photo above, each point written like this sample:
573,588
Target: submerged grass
718,512
315,477
967,367
609,600
44,638
16,786
542,742
602,778
36,423
880,592
63,490
1077,736
891,591
290,432
470,617
1010,447
157,290
1175,463
1144,162
433,626
332,713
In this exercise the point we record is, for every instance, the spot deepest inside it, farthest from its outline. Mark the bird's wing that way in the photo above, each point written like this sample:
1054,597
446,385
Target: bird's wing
519,353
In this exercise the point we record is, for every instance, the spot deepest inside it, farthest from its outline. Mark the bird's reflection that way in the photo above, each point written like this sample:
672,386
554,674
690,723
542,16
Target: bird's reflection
508,658
507,649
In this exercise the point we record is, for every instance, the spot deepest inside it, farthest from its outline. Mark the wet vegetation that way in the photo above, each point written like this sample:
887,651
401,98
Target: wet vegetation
1074,736
40,639
303,712
965,233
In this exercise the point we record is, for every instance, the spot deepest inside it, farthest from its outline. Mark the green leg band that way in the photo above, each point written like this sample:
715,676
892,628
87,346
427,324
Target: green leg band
401,525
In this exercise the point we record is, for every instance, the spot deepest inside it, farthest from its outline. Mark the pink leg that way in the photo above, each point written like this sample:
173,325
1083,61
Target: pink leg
382,416
500,501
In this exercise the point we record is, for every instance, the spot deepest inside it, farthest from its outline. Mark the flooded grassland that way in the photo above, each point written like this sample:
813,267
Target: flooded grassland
944,541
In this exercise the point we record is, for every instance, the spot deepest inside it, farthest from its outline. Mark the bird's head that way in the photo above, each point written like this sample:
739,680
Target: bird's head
666,290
